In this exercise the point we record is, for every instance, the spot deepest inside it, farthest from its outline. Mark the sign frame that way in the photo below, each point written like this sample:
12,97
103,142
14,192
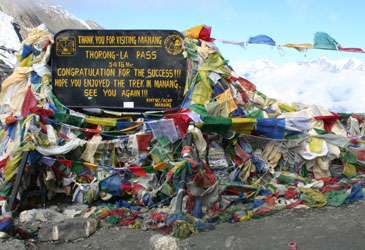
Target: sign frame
174,98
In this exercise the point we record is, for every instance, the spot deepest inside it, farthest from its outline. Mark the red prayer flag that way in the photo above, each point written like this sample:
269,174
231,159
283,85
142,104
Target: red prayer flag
66,163
29,102
353,50
328,120
138,171
143,141
205,33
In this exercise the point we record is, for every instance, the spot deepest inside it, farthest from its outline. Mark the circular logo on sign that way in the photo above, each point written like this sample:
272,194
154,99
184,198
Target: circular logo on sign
173,44
65,46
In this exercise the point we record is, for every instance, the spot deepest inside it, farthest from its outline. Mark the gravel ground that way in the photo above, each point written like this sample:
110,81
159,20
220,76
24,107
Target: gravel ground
324,228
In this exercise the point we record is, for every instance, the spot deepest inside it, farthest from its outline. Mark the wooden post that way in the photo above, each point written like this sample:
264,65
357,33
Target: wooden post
18,178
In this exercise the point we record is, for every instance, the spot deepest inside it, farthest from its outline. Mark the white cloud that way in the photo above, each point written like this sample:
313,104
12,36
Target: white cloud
338,85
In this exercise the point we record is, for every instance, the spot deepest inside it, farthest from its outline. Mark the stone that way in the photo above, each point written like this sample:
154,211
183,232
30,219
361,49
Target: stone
229,242
40,215
3,235
74,210
163,242
89,212
12,244
68,230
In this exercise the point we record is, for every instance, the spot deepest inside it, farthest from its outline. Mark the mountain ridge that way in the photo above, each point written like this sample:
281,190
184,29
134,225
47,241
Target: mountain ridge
18,17
30,14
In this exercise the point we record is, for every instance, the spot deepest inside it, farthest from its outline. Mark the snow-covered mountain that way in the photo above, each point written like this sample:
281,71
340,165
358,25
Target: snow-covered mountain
18,17
9,44
336,84
29,14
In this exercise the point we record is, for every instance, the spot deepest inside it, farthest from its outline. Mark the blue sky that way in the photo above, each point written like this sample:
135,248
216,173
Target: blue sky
284,20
